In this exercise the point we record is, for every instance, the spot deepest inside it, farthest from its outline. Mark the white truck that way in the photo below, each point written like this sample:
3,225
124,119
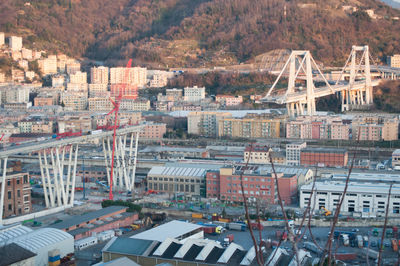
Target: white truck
346,240
360,241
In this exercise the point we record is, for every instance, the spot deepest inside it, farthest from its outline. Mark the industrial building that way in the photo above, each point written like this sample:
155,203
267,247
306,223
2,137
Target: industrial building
365,198
175,229
188,180
176,243
324,157
39,242
98,221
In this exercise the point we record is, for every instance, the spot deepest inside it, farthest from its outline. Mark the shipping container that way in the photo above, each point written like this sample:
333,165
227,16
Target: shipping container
345,256
197,215
278,234
224,220
106,235
218,223
394,245
237,226
209,230
85,242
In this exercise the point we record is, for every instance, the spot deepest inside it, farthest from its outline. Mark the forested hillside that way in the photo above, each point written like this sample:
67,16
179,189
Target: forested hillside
166,33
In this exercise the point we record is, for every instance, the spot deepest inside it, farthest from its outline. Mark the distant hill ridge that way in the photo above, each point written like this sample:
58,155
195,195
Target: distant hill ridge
197,33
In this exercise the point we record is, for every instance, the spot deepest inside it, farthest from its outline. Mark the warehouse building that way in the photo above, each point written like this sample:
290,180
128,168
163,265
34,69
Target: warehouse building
324,157
175,229
39,242
98,221
365,198
187,180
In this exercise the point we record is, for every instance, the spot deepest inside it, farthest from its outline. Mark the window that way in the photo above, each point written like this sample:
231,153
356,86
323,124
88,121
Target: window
18,193
17,181
8,182
9,194
9,207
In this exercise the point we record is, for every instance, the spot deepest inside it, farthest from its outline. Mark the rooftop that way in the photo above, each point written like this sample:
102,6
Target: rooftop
177,171
81,230
43,237
353,187
324,150
170,149
87,217
130,246
14,253
173,229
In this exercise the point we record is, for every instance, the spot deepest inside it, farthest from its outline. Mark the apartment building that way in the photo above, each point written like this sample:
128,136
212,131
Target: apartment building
72,66
27,54
133,76
57,81
78,77
205,123
228,100
249,128
44,99
153,131
160,79
134,104
187,180
99,104
317,127
48,65
394,61
194,94
2,38
324,157
257,154
78,88
36,126
376,128
124,90
99,75
256,185
171,95
74,101
18,94
99,90
74,124
293,152
17,194
124,118
15,43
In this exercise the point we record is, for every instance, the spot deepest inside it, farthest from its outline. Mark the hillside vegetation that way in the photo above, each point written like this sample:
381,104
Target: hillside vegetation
167,33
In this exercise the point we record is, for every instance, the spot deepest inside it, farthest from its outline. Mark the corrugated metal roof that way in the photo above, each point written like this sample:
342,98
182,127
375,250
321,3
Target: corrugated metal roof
128,246
177,171
40,238
173,229
8,233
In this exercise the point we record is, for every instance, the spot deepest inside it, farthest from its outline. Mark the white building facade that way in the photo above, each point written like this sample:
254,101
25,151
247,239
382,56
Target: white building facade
366,198
194,94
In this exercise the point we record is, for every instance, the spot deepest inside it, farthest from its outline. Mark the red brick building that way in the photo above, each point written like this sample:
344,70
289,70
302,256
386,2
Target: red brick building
226,184
17,199
324,157
98,221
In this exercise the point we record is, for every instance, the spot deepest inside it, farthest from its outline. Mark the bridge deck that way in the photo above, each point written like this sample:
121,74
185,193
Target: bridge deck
49,143
300,96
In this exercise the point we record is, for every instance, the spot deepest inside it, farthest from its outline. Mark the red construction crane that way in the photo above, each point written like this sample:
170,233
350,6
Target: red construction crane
116,104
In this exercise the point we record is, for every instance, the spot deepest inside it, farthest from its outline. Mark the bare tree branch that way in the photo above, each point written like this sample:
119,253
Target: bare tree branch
384,225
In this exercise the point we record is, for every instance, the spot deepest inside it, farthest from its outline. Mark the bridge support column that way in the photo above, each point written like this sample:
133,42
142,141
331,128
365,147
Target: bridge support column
52,162
124,160
3,187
